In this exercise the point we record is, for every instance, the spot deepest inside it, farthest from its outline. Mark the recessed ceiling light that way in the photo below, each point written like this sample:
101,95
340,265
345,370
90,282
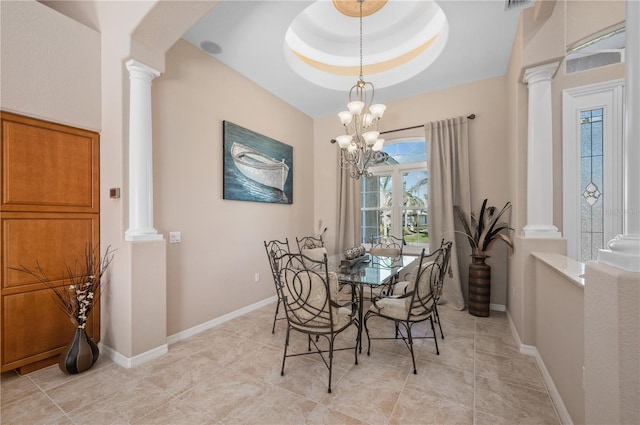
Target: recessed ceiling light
210,47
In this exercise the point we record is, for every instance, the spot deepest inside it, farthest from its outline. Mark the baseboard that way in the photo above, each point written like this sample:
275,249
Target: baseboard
172,339
531,350
497,307
129,362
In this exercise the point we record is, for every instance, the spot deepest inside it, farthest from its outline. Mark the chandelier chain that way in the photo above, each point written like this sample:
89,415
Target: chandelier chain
361,76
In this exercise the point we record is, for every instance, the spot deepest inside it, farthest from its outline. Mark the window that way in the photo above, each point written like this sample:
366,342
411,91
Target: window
394,200
592,168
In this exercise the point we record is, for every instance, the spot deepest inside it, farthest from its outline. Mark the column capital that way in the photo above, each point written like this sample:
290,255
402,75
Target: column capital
139,70
540,73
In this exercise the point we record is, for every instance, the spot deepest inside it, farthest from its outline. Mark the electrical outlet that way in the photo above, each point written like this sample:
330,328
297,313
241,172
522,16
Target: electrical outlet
257,277
175,237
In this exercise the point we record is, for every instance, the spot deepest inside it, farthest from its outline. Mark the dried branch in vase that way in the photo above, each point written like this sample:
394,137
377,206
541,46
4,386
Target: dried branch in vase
82,283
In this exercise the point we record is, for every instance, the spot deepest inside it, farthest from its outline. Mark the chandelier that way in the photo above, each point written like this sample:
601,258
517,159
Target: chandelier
360,147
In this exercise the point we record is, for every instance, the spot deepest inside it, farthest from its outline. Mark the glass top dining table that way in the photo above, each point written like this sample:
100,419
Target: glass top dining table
370,270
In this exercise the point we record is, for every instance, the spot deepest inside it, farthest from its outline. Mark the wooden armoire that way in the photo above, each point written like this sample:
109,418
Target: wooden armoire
49,212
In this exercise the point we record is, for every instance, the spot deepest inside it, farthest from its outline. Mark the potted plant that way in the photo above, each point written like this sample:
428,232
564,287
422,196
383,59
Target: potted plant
79,293
482,231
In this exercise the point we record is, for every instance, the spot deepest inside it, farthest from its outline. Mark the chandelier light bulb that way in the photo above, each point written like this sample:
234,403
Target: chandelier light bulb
377,146
370,137
367,120
344,141
377,110
345,117
355,107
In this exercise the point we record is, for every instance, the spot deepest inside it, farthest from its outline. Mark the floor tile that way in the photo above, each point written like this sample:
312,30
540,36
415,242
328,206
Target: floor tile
514,403
274,405
521,371
322,415
440,381
230,374
175,412
415,407
33,410
15,387
220,394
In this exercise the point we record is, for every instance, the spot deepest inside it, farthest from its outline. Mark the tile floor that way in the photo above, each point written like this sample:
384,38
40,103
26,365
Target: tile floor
231,375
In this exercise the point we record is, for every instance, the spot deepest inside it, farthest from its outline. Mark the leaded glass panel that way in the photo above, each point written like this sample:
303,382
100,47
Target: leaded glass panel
592,184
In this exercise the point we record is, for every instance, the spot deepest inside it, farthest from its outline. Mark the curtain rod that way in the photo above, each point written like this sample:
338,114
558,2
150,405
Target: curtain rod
471,117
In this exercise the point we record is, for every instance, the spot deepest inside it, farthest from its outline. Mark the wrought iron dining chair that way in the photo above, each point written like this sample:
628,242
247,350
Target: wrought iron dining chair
275,253
414,306
385,246
445,254
310,301
388,246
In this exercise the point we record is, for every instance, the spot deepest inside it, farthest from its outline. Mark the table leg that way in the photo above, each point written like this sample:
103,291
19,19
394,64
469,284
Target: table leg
360,315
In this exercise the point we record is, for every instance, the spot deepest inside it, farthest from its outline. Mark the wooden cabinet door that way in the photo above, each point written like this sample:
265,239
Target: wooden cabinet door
49,212
48,167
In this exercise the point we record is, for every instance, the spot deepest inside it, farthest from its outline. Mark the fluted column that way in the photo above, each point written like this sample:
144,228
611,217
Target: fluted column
624,250
540,154
140,154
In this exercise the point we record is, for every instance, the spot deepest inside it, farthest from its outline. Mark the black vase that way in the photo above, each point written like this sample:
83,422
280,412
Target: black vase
80,354
479,286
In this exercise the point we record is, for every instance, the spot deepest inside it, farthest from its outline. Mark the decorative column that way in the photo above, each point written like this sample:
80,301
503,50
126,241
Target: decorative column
624,250
540,154
140,157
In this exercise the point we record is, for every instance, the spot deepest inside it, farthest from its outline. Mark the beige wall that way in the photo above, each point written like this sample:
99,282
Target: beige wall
211,272
612,345
560,334
488,145
55,78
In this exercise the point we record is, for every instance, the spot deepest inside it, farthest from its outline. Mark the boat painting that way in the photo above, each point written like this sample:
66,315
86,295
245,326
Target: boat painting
256,168
259,167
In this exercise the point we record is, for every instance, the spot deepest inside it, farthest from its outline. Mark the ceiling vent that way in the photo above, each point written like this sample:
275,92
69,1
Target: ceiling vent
512,4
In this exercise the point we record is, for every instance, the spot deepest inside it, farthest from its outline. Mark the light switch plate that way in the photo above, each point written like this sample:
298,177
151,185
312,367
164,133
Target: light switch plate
175,237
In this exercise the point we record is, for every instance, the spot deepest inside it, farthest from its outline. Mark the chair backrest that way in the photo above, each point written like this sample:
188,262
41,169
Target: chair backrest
312,247
425,285
309,293
443,254
276,250
387,246
309,242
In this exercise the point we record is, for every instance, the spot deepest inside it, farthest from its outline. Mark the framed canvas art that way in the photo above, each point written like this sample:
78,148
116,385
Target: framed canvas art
256,168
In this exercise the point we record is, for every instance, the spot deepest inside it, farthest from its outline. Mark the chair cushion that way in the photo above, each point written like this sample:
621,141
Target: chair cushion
316,254
341,318
310,305
426,279
400,288
385,252
396,309
405,273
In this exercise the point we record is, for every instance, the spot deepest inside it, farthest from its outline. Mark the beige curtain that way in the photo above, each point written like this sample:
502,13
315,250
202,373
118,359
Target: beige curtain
348,221
448,163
